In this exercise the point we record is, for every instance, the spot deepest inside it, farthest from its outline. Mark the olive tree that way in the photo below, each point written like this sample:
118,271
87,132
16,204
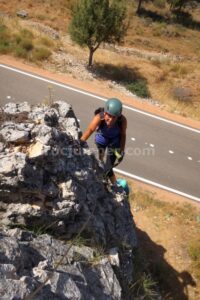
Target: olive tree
177,4
97,21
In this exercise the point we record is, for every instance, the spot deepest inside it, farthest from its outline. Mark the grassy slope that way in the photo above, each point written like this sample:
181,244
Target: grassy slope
173,83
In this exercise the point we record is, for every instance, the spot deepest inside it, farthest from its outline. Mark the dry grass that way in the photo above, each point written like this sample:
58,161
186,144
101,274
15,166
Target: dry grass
24,42
181,69
168,236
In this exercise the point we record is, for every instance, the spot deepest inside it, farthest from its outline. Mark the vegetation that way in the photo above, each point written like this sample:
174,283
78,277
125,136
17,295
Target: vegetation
167,43
139,88
95,22
22,43
143,286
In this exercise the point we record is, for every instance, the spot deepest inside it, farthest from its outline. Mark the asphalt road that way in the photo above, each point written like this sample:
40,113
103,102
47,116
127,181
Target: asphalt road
158,151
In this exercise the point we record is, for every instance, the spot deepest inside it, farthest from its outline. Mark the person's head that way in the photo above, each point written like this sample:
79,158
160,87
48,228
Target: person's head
113,110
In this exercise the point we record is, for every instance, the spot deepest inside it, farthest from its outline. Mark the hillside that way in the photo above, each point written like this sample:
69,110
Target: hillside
160,52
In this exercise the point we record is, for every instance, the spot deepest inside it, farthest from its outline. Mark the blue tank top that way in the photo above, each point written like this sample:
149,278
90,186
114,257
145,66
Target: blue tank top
110,132
108,135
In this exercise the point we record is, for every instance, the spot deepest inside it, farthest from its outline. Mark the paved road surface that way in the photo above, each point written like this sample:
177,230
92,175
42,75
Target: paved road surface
159,152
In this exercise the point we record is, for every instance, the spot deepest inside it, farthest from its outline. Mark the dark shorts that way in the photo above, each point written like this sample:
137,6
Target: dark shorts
110,158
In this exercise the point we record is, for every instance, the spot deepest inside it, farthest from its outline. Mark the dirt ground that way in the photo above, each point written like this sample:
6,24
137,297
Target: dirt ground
166,227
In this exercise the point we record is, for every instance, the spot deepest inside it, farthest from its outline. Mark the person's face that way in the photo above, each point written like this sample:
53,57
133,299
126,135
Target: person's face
109,119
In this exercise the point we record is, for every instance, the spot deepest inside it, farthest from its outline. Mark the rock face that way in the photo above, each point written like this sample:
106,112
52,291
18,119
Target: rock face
52,186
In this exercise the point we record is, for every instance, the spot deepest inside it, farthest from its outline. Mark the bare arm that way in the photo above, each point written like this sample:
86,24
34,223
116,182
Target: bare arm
123,134
91,128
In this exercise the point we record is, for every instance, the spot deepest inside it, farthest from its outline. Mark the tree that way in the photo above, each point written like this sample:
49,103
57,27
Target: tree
97,21
177,4
139,6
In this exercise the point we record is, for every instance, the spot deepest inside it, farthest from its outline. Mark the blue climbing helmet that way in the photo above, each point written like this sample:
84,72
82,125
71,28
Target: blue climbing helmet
123,183
113,107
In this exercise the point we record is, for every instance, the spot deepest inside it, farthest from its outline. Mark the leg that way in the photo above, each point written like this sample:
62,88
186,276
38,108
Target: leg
101,151
110,160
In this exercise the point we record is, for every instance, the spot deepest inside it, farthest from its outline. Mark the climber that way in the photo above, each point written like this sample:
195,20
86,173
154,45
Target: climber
110,126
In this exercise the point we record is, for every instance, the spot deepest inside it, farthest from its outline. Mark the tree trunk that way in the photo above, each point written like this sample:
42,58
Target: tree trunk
180,6
139,6
90,57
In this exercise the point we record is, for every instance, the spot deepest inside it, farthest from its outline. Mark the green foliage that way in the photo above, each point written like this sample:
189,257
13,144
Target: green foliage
139,87
94,22
21,52
26,44
25,33
4,39
40,53
22,44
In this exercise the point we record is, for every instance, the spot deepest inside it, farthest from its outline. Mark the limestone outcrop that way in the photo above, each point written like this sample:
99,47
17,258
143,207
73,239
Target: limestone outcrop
54,207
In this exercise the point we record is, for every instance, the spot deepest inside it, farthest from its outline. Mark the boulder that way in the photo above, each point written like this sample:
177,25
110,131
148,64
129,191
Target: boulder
50,184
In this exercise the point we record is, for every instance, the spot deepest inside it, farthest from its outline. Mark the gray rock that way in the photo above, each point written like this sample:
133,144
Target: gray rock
22,13
23,107
27,265
14,133
51,117
8,271
37,113
10,108
63,108
1,147
52,185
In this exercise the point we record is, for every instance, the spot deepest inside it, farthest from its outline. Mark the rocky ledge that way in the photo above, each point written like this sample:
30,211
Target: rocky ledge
63,234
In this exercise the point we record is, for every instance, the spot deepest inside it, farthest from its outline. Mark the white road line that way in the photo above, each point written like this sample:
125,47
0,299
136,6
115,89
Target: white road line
133,139
189,158
171,152
156,184
100,98
151,145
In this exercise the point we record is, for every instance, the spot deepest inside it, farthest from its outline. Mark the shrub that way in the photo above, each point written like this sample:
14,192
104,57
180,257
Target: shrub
4,39
26,44
45,41
17,38
179,69
21,52
26,33
40,53
139,88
